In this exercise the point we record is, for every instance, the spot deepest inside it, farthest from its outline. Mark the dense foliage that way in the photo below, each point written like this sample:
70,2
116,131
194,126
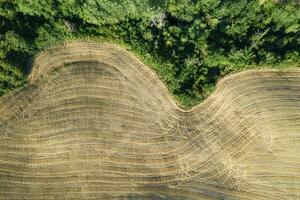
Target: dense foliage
190,43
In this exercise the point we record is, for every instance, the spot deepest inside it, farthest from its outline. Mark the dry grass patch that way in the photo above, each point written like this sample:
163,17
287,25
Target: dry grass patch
94,122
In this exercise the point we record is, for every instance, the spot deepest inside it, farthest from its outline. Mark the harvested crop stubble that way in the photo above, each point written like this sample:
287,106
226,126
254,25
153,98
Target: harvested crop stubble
94,122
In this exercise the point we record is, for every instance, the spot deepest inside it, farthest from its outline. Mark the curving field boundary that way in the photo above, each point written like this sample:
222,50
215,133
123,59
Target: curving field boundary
95,123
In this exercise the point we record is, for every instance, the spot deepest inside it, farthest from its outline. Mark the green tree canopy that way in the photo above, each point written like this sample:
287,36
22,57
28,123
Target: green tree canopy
190,43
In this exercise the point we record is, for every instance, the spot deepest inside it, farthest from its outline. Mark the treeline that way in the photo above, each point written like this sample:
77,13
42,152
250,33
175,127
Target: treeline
190,43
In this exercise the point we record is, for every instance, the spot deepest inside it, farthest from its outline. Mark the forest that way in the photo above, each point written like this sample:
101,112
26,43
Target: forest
190,44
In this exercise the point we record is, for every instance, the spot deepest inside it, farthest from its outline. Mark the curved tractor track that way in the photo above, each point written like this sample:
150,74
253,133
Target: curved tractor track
95,123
